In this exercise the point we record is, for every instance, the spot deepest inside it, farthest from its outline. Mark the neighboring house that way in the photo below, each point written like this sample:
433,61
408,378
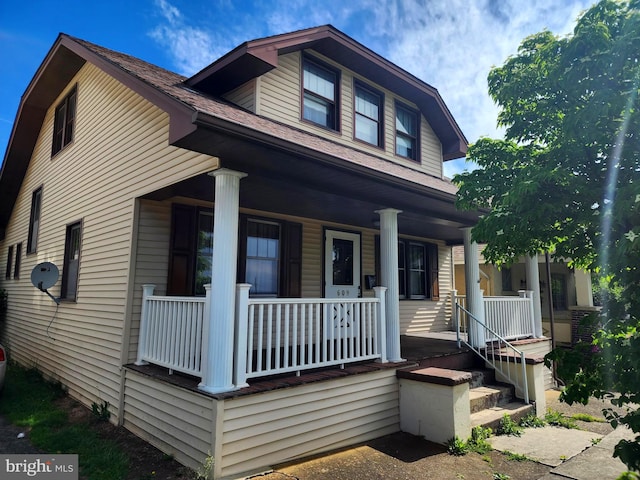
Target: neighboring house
304,165
571,292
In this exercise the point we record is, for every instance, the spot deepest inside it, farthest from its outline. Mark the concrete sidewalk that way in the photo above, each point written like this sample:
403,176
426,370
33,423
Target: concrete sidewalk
573,454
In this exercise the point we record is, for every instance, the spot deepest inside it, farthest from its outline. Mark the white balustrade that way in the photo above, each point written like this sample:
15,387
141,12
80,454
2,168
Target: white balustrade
171,332
291,335
273,335
511,317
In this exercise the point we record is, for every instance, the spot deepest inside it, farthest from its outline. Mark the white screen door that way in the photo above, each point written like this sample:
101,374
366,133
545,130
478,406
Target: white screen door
342,265
342,281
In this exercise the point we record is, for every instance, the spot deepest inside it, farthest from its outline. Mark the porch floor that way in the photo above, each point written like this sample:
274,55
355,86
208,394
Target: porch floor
426,349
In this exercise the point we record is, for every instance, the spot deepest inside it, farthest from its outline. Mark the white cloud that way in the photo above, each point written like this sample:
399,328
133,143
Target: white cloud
190,48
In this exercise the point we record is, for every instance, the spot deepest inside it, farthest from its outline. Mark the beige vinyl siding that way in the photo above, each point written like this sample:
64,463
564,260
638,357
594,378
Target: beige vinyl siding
278,426
244,96
119,152
178,421
151,261
279,99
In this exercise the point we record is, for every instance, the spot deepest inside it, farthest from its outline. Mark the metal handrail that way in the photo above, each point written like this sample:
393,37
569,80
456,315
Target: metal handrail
496,352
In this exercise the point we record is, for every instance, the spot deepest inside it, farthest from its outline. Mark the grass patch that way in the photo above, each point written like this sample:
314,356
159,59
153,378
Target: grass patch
553,417
516,457
585,417
28,400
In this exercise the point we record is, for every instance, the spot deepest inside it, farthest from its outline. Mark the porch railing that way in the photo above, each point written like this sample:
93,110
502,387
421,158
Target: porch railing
511,317
280,335
171,331
495,350
273,335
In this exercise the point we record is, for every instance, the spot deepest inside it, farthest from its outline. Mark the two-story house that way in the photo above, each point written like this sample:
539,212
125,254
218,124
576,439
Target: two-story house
282,210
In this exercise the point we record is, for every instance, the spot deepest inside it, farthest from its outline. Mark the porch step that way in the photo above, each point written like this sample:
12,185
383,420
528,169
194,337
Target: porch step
488,397
491,417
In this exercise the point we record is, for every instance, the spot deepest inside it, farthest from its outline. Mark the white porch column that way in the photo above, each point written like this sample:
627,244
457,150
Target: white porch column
475,301
389,274
217,369
533,284
584,292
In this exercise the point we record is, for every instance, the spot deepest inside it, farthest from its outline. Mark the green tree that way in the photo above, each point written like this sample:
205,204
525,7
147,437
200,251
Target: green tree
566,178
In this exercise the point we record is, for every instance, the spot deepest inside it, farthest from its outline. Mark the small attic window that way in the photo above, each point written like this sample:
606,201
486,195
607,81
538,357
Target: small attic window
64,123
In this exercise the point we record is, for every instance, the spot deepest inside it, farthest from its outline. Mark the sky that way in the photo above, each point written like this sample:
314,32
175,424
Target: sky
449,44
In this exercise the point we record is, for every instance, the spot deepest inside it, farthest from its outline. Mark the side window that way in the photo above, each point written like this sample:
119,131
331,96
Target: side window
270,256
7,274
320,94
263,257
407,128
64,122
16,265
368,115
418,268
34,221
71,267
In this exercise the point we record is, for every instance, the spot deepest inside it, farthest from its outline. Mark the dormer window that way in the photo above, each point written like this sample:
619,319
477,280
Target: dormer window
64,123
406,132
320,94
368,115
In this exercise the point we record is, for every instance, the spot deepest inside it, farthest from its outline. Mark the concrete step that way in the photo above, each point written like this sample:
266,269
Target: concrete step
491,417
481,377
489,396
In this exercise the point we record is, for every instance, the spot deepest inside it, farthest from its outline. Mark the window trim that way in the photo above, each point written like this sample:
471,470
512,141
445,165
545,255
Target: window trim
401,106
337,121
64,290
17,263
69,122
358,84
429,270
7,274
34,229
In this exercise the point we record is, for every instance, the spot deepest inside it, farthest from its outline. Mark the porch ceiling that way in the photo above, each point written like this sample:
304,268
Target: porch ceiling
322,187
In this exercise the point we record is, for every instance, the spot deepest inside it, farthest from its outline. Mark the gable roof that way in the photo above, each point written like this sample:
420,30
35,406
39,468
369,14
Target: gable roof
188,110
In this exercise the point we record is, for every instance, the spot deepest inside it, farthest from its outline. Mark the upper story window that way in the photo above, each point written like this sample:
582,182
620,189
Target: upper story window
320,94
407,129
34,221
368,115
64,123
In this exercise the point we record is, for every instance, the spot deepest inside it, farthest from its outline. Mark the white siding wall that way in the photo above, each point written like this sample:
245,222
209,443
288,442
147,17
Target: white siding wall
274,427
279,99
119,152
178,421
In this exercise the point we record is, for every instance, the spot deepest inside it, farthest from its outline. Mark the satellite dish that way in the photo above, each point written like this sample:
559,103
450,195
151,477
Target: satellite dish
44,276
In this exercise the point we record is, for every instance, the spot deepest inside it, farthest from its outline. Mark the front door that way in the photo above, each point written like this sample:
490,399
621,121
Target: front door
342,264
342,281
